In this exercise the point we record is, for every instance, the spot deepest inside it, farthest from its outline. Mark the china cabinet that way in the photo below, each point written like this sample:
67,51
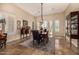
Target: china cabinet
72,26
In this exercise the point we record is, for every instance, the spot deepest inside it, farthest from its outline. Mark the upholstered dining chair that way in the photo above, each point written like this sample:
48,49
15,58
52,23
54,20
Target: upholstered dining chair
3,40
36,38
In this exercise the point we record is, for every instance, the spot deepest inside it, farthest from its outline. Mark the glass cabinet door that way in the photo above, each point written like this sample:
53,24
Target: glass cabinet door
74,25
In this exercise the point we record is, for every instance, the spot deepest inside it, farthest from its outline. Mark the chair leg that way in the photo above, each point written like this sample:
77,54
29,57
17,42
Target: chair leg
5,44
33,43
46,40
0,44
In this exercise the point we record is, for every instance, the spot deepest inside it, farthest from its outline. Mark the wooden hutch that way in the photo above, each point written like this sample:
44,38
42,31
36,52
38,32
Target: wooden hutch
72,27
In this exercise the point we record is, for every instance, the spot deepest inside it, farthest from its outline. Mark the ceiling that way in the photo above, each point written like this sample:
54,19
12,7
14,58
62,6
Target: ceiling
48,8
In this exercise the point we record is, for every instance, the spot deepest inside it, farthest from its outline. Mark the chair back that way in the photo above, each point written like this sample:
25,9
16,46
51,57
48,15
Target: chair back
5,34
22,30
26,31
35,34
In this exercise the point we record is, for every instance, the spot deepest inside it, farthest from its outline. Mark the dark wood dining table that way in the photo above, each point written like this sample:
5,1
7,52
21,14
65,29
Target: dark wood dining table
44,37
40,37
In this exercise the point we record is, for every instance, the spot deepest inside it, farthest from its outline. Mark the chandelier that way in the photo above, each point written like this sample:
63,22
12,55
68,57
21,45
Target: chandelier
41,23
42,12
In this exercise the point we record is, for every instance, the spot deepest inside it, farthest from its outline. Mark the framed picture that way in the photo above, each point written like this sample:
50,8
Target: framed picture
18,24
2,24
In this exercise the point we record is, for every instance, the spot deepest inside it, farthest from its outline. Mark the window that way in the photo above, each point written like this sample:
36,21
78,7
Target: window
56,25
11,27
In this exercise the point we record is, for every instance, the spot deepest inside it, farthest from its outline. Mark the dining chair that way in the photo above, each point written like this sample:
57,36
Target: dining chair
36,38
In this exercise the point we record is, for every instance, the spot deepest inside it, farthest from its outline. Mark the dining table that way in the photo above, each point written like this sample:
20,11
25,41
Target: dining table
44,37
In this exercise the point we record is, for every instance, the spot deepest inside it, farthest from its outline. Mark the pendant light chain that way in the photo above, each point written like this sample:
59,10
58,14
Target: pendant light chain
42,12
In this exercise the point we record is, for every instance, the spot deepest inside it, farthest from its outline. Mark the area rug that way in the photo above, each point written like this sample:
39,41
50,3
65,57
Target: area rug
50,46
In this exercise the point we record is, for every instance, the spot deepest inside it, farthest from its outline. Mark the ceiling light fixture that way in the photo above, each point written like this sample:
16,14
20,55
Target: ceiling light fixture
42,12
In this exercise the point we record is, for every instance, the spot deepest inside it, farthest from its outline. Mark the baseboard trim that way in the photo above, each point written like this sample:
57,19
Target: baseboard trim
16,41
13,42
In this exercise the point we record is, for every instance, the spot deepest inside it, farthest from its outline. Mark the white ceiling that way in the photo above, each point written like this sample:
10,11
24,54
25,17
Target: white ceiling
48,8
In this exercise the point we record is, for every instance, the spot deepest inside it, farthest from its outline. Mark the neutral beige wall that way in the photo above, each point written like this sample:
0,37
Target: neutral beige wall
13,9
71,8
7,10
53,17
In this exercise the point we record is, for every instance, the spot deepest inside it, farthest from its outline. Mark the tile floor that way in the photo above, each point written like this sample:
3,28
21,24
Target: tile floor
61,48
